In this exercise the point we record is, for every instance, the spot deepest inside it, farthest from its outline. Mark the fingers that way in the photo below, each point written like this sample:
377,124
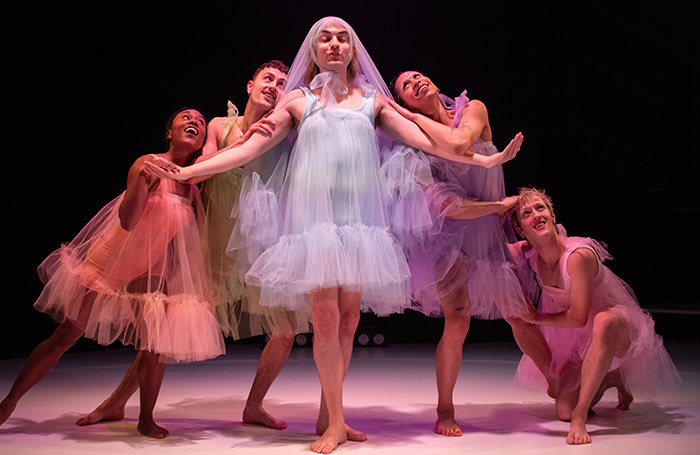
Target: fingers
163,171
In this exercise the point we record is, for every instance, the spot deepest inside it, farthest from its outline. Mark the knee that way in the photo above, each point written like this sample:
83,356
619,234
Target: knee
605,325
64,337
456,325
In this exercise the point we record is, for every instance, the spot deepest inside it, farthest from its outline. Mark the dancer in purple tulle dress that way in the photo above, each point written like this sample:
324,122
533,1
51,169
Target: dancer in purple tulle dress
462,267
599,336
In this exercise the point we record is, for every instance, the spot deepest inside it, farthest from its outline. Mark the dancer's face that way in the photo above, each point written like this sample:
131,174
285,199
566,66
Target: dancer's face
333,48
536,219
414,89
189,128
266,87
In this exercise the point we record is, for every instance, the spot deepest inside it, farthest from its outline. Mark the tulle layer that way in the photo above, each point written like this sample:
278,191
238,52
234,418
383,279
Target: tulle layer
148,287
646,366
238,309
406,172
327,225
465,262
354,257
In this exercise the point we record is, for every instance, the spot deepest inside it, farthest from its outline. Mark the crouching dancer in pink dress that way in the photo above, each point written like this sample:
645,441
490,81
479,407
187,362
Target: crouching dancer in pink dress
134,274
599,336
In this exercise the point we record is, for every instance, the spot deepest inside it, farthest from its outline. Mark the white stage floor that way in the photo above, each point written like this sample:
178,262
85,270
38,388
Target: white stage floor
389,393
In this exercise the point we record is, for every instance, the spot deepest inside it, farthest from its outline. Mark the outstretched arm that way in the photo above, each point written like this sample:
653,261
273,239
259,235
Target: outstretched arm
467,209
582,267
234,155
457,140
397,126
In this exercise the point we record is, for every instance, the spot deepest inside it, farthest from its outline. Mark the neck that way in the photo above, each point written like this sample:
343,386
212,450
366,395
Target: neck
549,248
436,111
253,112
180,155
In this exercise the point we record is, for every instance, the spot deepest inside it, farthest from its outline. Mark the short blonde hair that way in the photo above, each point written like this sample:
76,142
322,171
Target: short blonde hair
528,193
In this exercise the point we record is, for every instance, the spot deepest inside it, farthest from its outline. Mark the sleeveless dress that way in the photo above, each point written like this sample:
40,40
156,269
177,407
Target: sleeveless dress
465,254
239,312
645,367
148,287
332,216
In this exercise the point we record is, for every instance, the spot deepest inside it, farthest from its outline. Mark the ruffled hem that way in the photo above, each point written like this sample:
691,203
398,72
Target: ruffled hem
355,257
180,327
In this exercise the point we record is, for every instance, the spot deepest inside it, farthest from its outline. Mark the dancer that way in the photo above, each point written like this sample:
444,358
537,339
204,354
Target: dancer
238,310
335,255
600,337
464,267
135,274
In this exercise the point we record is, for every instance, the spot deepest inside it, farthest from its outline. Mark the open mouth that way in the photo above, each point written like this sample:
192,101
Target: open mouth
192,130
539,224
421,88
271,97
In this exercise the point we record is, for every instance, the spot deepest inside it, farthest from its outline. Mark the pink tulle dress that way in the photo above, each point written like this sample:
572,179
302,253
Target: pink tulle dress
454,255
645,367
148,287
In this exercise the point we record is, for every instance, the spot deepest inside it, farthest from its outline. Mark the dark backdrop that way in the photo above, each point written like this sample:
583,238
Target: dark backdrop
606,95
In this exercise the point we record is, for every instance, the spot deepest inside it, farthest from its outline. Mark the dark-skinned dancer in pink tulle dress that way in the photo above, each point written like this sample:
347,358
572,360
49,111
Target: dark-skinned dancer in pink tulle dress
135,273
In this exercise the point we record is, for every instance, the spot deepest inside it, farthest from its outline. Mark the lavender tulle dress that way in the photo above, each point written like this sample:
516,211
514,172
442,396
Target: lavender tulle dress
332,216
470,257
645,367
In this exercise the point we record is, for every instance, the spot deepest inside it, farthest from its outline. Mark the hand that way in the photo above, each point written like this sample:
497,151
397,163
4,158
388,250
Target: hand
402,110
162,168
509,152
508,203
264,126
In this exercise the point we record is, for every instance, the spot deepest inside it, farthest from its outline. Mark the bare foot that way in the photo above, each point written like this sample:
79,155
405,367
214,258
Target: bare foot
329,440
259,416
5,411
624,398
350,433
577,432
446,424
102,413
151,429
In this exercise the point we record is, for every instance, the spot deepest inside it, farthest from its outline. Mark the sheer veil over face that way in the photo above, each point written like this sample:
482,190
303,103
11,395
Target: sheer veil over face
367,75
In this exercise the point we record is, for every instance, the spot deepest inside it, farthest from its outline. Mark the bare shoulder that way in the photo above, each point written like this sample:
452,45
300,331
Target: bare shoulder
582,261
475,108
216,124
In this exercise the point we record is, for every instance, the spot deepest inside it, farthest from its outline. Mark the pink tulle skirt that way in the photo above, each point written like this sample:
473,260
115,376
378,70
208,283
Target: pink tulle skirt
646,365
148,287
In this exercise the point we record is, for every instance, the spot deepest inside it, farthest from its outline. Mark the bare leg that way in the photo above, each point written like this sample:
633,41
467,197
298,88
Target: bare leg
610,338
531,342
40,362
271,362
349,318
113,407
328,356
448,359
150,376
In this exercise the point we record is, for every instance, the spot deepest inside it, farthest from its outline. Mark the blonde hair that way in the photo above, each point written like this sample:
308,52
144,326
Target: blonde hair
528,193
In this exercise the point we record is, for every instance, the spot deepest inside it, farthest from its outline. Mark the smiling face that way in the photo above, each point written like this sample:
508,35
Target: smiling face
188,129
414,90
535,217
333,47
266,86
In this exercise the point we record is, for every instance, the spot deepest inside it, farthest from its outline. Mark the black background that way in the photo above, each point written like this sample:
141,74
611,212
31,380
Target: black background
606,95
